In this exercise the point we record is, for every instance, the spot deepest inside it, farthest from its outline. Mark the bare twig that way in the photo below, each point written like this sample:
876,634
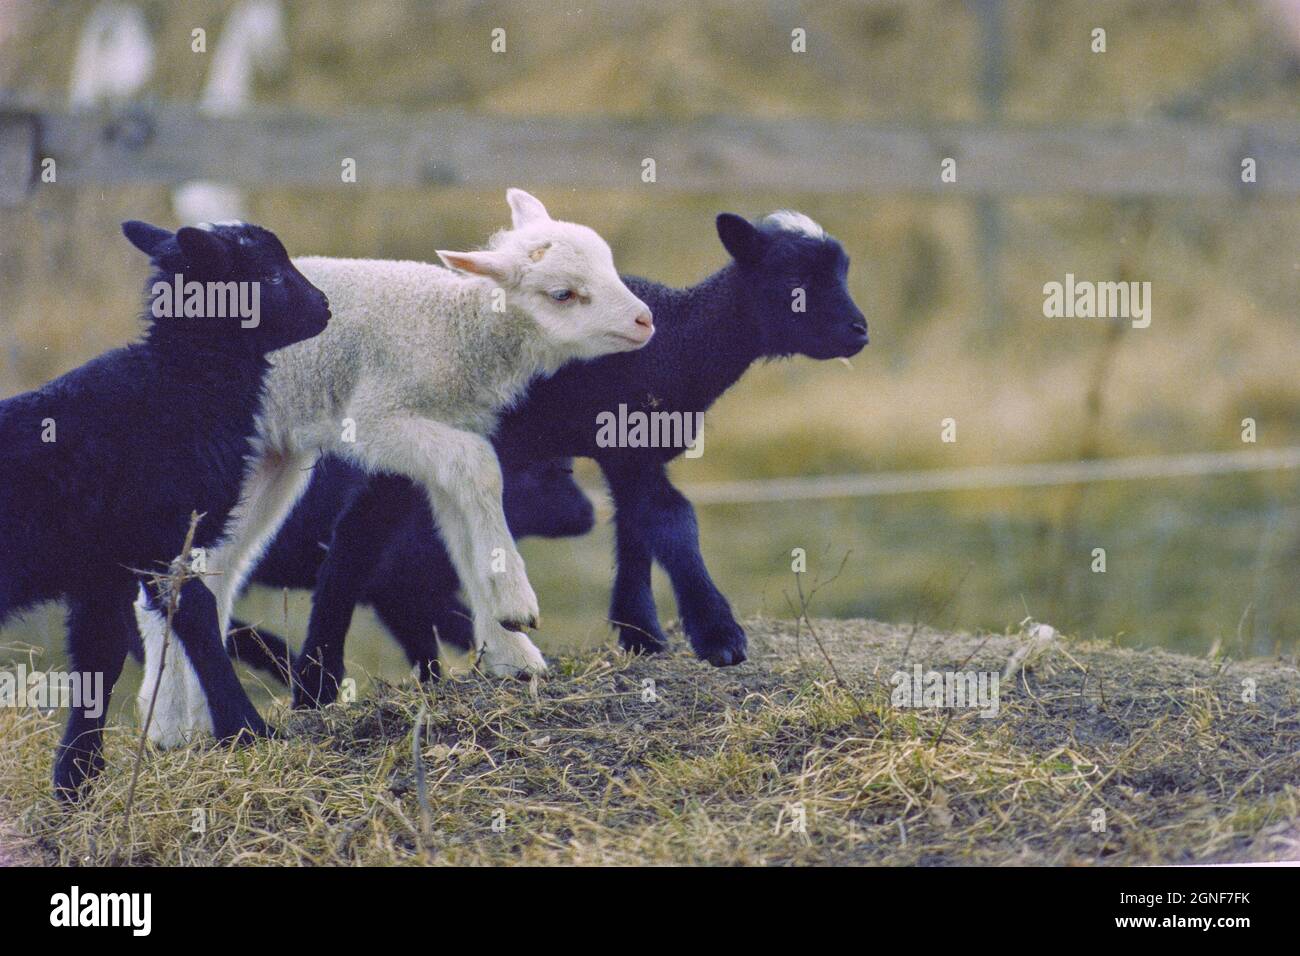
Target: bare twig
935,617
802,618
421,780
169,584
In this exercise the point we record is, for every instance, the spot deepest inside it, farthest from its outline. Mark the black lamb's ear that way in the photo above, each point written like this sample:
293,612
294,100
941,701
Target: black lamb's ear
145,237
204,251
739,237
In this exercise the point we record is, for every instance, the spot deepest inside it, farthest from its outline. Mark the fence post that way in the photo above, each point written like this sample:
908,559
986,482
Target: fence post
988,210
17,157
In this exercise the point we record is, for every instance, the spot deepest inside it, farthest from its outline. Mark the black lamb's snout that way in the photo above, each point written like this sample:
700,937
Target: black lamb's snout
321,310
851,337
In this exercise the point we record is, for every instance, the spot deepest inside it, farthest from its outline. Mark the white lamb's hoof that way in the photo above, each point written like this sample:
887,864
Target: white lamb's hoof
514,604
512,655
181,710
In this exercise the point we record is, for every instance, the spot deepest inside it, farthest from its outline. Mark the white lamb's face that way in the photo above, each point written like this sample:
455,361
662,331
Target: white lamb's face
571,287
562,275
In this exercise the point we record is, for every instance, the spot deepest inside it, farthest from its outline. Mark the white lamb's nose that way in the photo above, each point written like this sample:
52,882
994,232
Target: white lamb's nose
645,320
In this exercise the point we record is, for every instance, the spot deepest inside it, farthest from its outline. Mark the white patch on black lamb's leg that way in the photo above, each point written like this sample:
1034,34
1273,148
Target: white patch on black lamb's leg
198,717
169,704
181,710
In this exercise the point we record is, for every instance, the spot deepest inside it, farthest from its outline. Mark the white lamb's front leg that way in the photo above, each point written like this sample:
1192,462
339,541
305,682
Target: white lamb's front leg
459,470
483,552
272,486
504,653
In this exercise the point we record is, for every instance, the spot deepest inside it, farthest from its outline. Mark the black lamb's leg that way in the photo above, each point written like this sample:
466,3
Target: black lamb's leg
195,623
454,623
675,542
261,649
362,533
414,595
414,617
632,604
101,629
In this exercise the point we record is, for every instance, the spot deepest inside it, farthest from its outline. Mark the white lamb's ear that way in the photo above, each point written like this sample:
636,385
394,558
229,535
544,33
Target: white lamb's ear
488,262
525,208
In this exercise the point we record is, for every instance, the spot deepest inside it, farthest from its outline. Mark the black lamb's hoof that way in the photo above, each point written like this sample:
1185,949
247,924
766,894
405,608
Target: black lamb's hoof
313,686
253,729
73,773
302,700
726,656
430,671
723,646
636,641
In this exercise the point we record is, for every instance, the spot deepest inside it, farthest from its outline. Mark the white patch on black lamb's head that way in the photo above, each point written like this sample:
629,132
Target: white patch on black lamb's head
792,221
792,276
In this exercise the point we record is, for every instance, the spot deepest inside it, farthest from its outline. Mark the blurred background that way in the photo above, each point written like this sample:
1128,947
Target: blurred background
952,285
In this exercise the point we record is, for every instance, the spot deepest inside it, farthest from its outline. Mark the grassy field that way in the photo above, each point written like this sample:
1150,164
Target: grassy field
1098,755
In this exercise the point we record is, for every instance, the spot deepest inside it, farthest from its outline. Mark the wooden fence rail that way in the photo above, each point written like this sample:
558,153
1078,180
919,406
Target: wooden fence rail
168,144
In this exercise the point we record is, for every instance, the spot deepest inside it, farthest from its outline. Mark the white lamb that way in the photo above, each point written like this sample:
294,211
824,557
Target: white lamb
409,378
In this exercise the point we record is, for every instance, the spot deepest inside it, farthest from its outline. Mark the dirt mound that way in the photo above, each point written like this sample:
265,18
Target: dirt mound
1095,755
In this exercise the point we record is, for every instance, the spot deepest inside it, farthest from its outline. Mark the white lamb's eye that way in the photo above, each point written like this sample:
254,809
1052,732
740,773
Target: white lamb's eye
561,295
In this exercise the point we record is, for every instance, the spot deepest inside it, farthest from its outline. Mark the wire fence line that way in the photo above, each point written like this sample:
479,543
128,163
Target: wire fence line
823,487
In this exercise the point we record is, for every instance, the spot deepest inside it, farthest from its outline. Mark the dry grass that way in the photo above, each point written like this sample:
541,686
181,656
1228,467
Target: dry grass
579,768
